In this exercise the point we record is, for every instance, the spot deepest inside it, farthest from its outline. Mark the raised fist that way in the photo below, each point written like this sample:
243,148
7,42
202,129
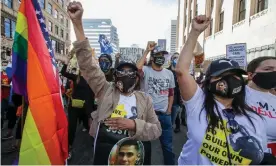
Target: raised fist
151,45
200,23
75,12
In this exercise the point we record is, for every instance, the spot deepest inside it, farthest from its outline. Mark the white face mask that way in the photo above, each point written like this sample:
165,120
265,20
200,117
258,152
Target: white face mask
3,68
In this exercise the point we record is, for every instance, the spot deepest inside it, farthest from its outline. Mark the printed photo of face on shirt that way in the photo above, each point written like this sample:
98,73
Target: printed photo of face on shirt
127,152
222,86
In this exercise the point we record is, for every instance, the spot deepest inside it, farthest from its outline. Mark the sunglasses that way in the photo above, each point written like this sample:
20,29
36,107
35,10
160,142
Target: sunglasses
233,124
128,73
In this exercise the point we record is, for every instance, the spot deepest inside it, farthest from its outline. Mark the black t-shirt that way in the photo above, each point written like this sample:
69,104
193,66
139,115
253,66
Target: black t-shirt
81,89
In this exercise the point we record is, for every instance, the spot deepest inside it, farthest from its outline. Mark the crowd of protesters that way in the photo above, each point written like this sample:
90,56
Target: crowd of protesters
126,105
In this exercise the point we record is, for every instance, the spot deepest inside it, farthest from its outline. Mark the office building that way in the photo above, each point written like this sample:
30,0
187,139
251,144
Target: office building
232,21
56,19
173,36
162,43
94,27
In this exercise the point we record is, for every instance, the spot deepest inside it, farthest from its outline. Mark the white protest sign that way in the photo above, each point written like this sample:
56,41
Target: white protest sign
237,52
131,53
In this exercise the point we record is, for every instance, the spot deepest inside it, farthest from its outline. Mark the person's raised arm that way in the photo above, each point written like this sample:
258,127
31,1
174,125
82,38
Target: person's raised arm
88,65
149,48
186,82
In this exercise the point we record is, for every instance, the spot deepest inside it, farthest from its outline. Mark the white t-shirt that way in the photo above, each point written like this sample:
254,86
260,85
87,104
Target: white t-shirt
264,103
205,148
126,107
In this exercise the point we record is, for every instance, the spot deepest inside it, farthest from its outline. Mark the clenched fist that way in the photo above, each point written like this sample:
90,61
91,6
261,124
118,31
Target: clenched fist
151,45
200,23
75,12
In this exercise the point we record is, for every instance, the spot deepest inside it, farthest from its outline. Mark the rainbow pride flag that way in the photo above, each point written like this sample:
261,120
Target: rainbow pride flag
35,76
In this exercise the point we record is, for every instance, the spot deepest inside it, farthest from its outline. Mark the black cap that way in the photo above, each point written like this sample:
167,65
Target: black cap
223,65
107,56
158,49
127,63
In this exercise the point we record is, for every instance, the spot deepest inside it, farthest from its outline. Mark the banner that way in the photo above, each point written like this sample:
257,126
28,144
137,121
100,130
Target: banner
237,52
105,45
131,53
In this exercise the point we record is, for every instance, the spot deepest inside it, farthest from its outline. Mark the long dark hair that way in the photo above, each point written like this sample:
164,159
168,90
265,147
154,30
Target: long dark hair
239,106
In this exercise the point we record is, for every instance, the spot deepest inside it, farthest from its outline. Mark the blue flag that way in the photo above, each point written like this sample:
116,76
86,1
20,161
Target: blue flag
105,45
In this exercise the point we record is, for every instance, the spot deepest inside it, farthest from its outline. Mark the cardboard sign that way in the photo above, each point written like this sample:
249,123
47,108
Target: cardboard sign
198,60
237,52
131,53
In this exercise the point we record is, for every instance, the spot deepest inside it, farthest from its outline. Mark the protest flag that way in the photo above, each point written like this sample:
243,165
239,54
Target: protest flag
35,76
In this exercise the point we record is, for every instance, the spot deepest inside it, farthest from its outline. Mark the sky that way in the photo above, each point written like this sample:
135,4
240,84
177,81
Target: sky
137,21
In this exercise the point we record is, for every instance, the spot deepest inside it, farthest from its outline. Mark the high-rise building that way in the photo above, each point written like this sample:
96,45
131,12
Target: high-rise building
173,36
236,21
55,18
162,43
94,27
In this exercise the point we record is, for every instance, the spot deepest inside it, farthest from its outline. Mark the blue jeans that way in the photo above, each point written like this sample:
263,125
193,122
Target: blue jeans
166,139
175,111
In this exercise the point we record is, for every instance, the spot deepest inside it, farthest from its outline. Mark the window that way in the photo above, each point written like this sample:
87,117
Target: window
61,33
56,29
67,23
55,13
59,47
8,3
8,27
67,36
41,4
211,27
242,10
62,19
196,12
262,5
50,9
50,26
221,20
2,26
13,25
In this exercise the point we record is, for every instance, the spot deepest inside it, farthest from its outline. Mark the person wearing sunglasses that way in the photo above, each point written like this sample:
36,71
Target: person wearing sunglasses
222,128
262,78
122,112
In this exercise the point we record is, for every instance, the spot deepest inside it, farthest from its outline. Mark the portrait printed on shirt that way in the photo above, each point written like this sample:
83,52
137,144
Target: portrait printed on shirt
158,86
222,87
127,152
240,148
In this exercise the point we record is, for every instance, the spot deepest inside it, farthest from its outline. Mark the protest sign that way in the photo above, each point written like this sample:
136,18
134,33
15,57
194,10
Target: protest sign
131,53
237,52
198,60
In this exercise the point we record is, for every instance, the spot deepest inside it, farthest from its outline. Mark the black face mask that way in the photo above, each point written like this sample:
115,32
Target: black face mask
125,84
265,80
159,61
228,87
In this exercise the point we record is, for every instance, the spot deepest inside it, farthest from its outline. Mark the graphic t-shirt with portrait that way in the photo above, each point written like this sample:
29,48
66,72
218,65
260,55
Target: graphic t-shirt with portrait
108,138
157,85
264,103
126,107
203,147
